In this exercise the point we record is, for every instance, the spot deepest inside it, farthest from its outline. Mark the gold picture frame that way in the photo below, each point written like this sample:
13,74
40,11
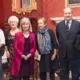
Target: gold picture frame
73,3
19,10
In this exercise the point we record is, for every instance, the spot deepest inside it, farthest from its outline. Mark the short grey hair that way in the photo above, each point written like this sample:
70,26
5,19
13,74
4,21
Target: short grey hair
25,20
67,8
13,18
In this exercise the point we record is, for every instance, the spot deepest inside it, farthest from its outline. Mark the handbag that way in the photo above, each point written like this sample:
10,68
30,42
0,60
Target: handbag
4,58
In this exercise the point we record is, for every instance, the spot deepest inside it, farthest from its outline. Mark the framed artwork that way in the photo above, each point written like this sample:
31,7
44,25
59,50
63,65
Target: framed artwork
23,6
73,3
25,3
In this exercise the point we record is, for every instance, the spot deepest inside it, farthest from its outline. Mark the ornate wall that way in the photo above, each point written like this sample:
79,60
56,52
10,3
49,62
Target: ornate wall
46,8
1,15
6,11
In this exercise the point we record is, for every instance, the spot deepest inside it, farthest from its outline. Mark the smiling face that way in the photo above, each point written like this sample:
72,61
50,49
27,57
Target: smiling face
67,14
41,23
13,24
25,26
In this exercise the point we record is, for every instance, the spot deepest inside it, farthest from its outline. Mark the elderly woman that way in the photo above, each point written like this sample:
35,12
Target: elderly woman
9,35
46,46
24,50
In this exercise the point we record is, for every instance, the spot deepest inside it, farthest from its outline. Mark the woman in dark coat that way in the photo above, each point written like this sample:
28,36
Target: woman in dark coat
46,46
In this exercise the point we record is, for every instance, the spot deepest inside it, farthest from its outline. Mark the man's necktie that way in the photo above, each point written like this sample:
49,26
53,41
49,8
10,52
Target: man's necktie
67,30
67,25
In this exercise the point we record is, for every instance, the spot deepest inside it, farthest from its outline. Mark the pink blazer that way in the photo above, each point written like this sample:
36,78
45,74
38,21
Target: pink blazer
18,51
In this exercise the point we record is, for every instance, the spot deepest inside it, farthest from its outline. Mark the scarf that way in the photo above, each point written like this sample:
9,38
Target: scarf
44,41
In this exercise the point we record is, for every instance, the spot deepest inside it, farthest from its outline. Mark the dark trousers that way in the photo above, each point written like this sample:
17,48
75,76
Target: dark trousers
21,78
43,75
67,64
1,71
78,67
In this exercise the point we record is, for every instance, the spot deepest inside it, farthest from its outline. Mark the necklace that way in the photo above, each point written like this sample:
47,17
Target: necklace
26,34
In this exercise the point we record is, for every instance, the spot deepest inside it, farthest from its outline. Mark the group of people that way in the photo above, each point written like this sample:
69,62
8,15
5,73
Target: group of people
21,44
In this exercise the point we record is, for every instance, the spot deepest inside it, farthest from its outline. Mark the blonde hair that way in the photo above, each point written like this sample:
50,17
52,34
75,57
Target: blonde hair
13,18
25,20
44,19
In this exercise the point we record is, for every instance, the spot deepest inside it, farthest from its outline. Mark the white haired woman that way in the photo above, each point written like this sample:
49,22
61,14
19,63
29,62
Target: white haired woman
9,36
24,50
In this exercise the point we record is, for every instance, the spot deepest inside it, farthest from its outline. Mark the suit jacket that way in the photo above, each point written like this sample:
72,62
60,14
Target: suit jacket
67,47
77,44
18,51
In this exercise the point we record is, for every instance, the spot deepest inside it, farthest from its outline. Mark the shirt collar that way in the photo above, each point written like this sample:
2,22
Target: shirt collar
70,21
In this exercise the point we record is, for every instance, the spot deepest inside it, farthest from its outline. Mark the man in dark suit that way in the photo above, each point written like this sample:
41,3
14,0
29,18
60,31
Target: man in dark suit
67,31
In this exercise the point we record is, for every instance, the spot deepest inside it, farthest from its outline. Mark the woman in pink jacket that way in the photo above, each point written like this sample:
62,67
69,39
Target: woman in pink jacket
24,50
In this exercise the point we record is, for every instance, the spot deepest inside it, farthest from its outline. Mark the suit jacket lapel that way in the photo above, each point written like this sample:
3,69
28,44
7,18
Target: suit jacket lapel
64,27
72,25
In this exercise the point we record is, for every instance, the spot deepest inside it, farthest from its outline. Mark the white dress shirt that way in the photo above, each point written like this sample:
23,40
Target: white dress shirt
2,38
69,24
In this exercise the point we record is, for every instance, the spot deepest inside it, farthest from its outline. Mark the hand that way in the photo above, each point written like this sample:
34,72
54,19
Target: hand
53,57
1,45
26,58
8,54
23,56
36,54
